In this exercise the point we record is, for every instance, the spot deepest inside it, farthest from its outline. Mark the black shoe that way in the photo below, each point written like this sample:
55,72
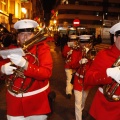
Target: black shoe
68,96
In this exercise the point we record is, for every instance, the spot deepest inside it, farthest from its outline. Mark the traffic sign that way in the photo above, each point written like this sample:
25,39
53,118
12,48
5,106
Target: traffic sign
76,22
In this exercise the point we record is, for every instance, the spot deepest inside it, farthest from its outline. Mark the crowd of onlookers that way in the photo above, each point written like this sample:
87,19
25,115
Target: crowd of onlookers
61,40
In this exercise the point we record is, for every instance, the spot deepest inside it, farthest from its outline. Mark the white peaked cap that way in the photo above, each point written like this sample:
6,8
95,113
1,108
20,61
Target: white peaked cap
73,37
26,23
85,38
115,28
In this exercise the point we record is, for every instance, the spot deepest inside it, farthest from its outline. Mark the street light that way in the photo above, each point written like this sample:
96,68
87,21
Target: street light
24,11
55,21
55,25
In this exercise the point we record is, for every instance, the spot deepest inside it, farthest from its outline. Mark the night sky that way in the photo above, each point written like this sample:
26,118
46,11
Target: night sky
48,5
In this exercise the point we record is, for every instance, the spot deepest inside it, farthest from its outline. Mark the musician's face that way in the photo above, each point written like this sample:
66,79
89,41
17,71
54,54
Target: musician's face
24,36
85,45
117,41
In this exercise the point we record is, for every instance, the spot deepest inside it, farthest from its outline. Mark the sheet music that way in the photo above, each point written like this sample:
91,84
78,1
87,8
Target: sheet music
5,53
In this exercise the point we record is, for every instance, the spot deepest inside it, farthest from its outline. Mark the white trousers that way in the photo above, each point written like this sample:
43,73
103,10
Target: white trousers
35,117
69,86
80,98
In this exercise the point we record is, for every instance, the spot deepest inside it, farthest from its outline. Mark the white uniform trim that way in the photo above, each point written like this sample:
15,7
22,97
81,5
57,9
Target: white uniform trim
101,90
30,93
34,117
77,74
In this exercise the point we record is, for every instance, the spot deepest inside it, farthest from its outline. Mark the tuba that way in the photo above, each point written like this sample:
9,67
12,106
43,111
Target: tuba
10,80
110,89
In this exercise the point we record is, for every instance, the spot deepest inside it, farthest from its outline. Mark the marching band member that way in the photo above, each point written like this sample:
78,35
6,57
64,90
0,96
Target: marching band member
80,91
106,102
71,53
27,97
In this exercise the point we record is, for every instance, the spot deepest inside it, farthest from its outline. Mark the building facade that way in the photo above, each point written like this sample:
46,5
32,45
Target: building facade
93,14
11,11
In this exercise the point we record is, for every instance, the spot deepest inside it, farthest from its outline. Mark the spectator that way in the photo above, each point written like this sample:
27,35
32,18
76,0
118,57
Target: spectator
64,40
99,39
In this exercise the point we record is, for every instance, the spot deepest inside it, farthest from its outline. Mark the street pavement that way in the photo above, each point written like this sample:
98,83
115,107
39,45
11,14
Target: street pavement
63,108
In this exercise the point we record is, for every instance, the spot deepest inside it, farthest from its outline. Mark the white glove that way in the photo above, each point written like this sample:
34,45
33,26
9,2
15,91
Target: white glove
83,61
86,49
17,60
70,52
7,69
114,73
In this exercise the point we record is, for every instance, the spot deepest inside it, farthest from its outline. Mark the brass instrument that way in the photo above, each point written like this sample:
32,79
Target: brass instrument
10,80
83,66
90,55
1,45
110,89
29,43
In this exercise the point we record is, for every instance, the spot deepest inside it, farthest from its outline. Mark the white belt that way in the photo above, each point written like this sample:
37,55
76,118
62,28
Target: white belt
101,90
77,74
29,93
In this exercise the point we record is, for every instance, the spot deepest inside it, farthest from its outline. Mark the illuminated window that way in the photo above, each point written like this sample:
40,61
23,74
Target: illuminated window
3,5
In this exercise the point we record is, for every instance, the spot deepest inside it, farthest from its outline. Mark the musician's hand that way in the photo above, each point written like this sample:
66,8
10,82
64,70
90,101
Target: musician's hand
83,61
7,69
86,49
70,52
114,73
17,60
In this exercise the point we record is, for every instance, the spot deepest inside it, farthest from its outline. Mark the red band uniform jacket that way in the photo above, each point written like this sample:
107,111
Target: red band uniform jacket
37,104
101,108
79,77
71,60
